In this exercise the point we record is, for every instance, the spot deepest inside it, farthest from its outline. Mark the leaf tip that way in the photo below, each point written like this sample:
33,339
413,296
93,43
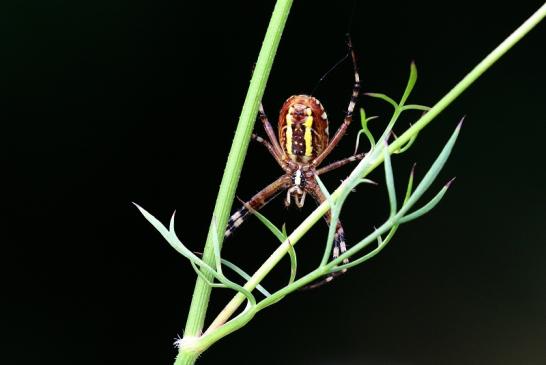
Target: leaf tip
371,182
140,209
448,184
459,126
171,223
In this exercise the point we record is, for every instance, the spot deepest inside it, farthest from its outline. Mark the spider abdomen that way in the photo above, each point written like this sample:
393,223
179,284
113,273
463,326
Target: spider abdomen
303,128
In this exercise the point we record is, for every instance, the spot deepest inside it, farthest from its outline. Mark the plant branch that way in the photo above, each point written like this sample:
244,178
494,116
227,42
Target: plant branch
366,166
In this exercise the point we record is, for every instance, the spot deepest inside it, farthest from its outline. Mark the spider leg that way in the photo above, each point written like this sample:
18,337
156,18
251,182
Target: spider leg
339,241
348,117
338,164
270,148
255,203
270,132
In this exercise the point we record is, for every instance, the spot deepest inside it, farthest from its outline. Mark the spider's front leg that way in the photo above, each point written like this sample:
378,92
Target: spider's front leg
256,203
348,117
270,148
276,149
340,163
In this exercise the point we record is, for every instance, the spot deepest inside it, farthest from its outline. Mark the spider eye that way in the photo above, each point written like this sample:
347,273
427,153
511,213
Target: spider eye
308,111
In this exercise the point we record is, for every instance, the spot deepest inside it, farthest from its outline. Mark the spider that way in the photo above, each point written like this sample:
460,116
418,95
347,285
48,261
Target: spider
302,146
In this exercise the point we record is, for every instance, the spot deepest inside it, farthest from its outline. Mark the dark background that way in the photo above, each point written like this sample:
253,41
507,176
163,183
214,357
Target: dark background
108,102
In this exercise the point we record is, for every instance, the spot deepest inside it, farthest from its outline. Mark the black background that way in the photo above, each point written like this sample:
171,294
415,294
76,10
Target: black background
108,102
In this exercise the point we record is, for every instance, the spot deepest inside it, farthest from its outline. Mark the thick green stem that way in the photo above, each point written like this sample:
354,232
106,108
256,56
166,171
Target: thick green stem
368,165
226,194
186,357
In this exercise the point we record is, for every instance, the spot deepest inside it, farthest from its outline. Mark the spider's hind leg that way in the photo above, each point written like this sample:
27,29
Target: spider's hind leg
339,246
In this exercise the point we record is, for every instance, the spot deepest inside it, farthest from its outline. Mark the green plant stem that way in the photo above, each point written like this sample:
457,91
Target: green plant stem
469,79
226,194
368,165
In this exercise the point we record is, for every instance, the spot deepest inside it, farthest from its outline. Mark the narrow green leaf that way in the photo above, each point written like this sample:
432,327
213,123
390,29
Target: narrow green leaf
416,107
410,184
434,170
363,120
365,130
241,273
367,181
266,222
383,97
411,83
244,275
159,226
200,274
170,237
216,246
224,282
196,262
293,258
293,264
407,146
389,180
426,208
281,236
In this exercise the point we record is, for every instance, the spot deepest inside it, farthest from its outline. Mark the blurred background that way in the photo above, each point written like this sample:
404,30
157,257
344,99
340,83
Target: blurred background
108,102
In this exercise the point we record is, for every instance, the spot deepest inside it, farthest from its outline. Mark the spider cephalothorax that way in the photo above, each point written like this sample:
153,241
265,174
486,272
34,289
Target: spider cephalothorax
303,143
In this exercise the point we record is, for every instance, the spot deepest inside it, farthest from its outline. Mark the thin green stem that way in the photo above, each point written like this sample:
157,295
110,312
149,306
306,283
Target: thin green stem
469,79
226,194
368,164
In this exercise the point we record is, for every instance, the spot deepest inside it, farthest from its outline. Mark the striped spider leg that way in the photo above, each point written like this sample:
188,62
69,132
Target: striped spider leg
302,145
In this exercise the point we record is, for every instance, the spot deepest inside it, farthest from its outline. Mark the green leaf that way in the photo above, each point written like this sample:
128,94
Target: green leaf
416,107
427,207
389,180
202,276
407,146
410,184
196,262
170,236
244,275
367,181
365,130
266,222
281,236
293,264
363,119
434,170
216,246
411,83
383,97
